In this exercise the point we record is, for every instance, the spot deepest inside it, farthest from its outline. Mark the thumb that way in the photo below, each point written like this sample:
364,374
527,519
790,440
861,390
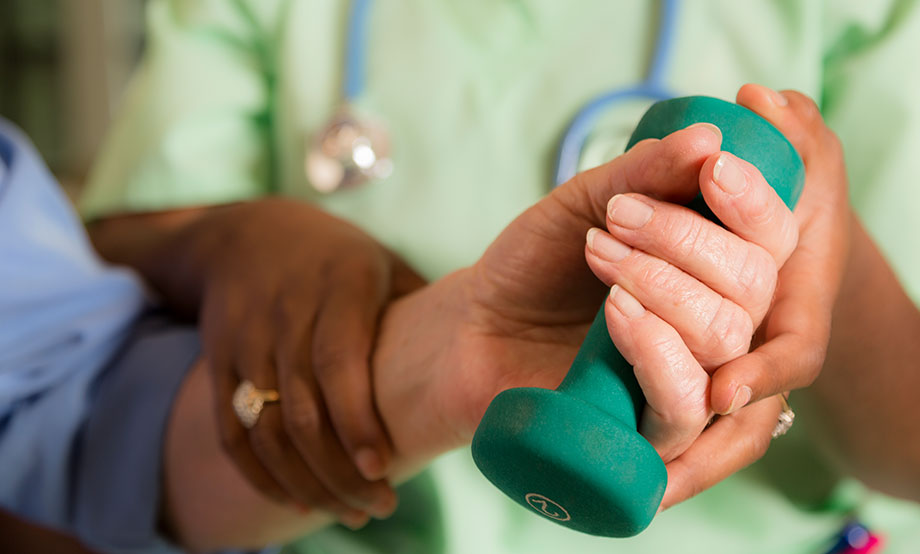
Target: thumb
667,169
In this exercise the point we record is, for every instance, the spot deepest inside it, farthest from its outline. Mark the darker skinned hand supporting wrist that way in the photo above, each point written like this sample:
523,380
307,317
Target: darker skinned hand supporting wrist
291,298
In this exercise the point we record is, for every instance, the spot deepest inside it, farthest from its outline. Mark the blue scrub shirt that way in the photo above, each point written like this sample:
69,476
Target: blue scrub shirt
85,390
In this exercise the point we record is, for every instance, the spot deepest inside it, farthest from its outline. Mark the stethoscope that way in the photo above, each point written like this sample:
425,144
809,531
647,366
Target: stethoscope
350,150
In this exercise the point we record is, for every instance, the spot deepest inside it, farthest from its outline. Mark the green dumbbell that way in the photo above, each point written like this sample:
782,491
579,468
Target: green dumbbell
574,455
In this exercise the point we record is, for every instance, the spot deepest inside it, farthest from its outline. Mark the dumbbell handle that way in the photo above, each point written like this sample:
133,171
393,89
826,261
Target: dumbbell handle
599,373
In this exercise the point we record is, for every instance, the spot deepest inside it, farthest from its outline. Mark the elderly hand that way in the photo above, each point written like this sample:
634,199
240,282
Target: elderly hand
793,339
291,300
690,294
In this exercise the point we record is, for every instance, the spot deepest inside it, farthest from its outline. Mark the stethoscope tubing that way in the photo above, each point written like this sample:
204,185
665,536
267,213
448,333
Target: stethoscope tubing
651,88
355,50
575,136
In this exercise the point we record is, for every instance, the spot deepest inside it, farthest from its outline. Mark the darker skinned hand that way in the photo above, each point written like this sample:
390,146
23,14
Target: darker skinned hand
290,301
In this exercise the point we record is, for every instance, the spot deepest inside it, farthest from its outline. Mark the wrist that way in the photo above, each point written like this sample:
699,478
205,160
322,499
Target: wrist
418,360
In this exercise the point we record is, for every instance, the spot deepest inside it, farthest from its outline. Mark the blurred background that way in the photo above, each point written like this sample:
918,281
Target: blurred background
63,67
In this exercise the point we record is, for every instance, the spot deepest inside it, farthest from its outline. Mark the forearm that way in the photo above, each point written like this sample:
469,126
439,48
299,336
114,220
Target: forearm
866,394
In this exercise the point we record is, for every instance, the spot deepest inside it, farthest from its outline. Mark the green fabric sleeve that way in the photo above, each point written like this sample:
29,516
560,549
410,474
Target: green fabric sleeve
195,127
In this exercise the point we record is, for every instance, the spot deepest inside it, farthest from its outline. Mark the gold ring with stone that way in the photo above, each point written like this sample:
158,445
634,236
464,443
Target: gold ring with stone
786,417
248,402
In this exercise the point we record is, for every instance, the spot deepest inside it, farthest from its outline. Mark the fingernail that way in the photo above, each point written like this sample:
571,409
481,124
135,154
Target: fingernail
709,127
369,464
606,247
728,175
628,212
740,400
626,303
354,520
777,98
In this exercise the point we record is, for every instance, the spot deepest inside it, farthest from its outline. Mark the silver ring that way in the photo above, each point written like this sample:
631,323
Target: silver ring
248,402
786,417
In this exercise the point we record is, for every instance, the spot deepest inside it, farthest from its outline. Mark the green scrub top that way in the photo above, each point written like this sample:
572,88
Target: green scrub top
476,95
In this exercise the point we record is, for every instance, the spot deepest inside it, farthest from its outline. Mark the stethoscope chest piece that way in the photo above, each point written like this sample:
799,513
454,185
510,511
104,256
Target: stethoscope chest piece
347,152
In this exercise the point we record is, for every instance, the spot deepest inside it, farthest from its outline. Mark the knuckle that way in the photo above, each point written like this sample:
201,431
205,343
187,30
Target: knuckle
755,447
693,404
362,269
325,502
689,408
266,441
728,334
690,413
329,357
810,111
646,166
685,236
810,377
810,123
651,165
304,420
668,349
365,268
803,106
695,482
756,279
658,275
326,269
832,141
814,363
692,409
